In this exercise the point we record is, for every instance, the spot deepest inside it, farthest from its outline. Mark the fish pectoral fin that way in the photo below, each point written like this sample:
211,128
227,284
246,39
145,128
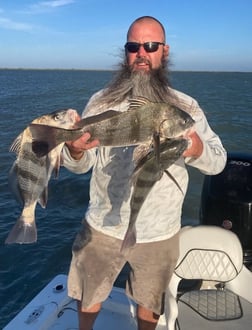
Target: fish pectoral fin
43,198
45,138
156,143
22,232
58,163
40,148
174,180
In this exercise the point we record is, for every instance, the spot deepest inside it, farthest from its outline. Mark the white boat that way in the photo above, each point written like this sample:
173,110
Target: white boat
223,301
214,258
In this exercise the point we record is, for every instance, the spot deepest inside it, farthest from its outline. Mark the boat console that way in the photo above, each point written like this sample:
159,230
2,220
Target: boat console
226,200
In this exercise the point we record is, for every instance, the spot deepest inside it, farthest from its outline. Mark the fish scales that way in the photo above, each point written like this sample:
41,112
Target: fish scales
32,176
134,126
31,169
130,127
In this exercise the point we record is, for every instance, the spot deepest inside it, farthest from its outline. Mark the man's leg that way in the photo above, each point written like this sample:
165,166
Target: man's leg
147,320
96,263
87,317
152,265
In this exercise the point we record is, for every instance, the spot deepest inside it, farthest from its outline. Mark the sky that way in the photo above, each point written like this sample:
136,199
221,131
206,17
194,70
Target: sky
214,35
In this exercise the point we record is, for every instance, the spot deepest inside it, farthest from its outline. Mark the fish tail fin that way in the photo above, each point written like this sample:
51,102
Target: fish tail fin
129,239
22,232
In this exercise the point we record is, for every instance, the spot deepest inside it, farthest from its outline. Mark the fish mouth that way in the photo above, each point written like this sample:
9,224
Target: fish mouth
181,133
186,134
73,114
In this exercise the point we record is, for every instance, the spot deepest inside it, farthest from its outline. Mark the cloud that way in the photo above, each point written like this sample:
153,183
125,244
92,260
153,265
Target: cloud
42,6
9,24
57,3
39,7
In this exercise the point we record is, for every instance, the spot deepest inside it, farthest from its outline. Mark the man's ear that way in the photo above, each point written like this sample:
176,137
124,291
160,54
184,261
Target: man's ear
166,51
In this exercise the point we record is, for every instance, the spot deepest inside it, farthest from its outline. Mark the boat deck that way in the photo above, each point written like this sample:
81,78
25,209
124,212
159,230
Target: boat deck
52,309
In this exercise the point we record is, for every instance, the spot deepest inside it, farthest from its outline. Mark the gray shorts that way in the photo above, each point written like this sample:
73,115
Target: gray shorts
97,261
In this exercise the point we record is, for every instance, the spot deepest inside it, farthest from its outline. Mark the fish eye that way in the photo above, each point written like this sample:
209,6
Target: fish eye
56,116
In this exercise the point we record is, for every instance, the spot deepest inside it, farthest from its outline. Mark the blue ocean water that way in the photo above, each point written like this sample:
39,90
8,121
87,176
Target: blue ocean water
26,94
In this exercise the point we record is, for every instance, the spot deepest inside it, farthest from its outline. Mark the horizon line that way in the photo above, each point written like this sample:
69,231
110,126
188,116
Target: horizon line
113,70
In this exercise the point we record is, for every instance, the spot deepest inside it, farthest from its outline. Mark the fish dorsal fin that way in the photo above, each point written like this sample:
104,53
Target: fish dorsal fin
16,145
97,118
138,102
57,165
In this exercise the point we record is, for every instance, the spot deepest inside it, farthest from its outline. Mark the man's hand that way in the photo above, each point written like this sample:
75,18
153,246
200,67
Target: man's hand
78,147
195,148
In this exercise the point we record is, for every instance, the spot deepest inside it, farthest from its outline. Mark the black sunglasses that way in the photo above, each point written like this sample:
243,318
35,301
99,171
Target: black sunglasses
149,47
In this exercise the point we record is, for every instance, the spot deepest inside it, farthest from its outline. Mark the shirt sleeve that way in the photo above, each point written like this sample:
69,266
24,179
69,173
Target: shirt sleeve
213,158
82,165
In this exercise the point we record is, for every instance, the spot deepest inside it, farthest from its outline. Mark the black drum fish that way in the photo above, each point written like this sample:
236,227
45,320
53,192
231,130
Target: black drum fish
135,126
29,175
148,171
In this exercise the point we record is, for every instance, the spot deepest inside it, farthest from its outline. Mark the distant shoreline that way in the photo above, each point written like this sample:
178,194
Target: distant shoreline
51,69
111,70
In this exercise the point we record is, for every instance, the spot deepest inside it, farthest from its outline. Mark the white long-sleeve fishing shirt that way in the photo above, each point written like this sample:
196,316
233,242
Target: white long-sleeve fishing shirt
111,188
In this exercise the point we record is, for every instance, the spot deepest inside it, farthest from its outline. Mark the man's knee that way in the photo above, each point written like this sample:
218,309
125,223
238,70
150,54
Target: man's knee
93,309
146,314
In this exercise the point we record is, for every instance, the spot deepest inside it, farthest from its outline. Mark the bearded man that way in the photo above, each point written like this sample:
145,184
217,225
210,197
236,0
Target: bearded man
97,257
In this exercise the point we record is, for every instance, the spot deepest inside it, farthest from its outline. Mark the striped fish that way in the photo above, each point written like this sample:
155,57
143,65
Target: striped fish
148,171
29,175
137,125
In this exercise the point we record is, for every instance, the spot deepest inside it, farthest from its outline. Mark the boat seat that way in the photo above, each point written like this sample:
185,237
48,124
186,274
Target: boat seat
214,256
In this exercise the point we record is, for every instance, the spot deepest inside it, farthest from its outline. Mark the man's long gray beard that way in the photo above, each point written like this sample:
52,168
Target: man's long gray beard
152,85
